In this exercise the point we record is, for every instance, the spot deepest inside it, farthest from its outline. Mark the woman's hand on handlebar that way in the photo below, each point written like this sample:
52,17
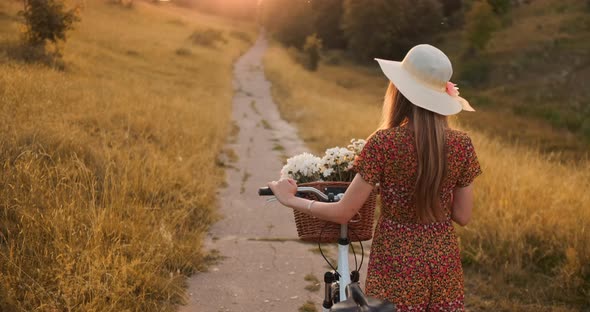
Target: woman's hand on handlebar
284,190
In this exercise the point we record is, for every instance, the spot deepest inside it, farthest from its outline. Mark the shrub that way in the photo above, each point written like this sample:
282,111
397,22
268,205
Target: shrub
24,52
312,49
585,129
334,57
241,36
47,20
207,37
177,22
183,52
475,72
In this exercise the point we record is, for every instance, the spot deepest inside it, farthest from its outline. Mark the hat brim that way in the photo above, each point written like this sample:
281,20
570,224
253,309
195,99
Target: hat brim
419,94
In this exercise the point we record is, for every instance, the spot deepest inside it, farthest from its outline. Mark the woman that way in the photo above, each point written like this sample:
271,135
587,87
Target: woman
425,171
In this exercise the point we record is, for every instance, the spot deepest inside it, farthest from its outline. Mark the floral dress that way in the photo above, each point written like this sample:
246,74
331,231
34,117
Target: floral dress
416,266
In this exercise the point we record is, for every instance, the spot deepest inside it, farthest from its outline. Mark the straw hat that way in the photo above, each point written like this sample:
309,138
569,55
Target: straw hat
423,78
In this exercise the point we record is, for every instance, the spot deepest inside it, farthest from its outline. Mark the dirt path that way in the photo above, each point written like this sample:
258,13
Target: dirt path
264,265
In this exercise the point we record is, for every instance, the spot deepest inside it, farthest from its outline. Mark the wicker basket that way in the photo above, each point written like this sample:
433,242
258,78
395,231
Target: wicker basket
315,230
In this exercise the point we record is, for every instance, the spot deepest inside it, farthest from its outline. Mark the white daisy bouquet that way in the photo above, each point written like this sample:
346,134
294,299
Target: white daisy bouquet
335,165
302,168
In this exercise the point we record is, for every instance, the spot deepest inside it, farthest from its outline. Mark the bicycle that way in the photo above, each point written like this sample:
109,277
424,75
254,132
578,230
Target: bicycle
342,292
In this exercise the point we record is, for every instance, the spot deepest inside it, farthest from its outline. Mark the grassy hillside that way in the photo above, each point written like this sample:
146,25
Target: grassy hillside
108,167
531,84
526,249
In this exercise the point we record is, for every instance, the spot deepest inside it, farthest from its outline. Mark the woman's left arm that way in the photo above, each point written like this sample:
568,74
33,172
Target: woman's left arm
339,212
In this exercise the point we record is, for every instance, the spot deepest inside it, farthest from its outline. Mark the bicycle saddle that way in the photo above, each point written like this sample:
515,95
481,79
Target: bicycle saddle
358,302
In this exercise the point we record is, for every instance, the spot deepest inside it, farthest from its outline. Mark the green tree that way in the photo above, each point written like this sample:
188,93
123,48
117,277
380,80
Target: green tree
327,16
47,21
451,6
481,22
500,6
388,28
312,49
290,21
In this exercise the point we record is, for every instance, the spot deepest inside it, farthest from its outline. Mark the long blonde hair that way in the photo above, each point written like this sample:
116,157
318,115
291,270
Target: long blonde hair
429,133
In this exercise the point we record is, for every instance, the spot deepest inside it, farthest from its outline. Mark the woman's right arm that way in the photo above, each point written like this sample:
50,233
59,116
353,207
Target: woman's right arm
463,192
462,205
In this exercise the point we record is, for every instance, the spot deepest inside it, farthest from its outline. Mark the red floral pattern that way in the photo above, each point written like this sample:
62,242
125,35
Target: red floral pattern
416,266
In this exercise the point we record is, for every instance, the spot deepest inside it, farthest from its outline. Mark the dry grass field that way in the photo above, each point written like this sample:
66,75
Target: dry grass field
528,246
109,167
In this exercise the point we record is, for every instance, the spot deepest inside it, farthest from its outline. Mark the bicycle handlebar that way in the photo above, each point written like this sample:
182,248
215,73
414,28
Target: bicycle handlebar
266,191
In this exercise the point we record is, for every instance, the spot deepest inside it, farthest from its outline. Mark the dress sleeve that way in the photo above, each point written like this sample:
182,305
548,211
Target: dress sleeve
369,163
471,168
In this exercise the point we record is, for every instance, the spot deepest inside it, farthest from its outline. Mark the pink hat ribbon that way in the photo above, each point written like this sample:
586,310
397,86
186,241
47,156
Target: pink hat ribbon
453,91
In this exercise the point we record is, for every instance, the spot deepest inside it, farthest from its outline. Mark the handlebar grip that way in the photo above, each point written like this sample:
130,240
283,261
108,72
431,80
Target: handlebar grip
265,191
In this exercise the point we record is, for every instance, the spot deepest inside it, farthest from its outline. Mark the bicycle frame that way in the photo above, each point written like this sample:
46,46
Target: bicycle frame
343,266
